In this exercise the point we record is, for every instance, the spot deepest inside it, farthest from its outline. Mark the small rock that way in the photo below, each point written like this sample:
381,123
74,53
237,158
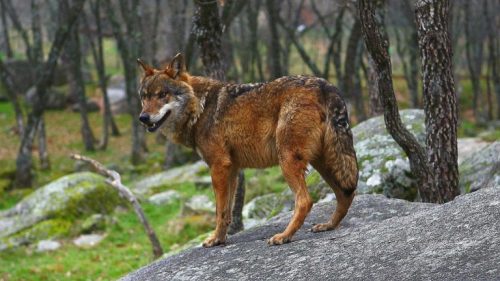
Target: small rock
164,198
199,204
47,245
328,198
179,175
88,240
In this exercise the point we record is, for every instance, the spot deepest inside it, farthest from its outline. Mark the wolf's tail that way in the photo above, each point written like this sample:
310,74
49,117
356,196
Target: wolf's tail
338,139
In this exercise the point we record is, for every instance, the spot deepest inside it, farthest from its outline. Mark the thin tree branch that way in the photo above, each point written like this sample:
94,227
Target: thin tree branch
114,180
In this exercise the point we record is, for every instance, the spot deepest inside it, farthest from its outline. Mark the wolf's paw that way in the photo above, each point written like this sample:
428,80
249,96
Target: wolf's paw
322,227
278,239
213,241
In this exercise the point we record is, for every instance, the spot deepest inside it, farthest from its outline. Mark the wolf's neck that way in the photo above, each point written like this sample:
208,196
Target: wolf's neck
203,86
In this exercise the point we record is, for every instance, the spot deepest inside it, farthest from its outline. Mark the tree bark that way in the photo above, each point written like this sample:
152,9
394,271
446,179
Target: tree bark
24,161
352,66
16,23
208,30
43,153
407,48
474,53
377,44
440,102
376,107
12,95
493,52
75,56
274,53
256,59
98,56
129,46
5,31
207,27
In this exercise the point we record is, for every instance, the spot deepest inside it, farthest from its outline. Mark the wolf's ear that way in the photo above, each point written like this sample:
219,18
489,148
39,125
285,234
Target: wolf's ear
177,65
148,70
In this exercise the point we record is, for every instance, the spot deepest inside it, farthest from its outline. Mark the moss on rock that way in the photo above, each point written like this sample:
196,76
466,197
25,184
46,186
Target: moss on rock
57,209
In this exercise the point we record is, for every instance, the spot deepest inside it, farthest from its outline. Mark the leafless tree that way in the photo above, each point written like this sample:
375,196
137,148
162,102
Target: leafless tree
129,40
24,164
435,166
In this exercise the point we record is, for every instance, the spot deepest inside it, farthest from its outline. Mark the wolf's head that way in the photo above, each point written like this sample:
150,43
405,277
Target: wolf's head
168,101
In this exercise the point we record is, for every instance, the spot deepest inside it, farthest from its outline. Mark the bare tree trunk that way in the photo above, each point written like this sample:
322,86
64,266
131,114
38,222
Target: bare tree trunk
37,55
352,66
376,107
493,51
24,161
440,102
274,53
377,44
474,53
208,30
129,47
207,27
156,23
98,56
9,9
334,37
6,79
302,52
5,31
43,153
75,56
407,49
256,60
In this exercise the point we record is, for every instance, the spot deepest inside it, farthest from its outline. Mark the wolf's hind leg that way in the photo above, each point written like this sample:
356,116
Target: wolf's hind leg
293,171
343,182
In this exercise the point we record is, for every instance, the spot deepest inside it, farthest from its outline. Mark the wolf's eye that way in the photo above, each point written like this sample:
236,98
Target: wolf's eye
162,95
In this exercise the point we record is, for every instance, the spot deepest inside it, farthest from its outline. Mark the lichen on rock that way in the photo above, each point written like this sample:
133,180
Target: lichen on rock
56,209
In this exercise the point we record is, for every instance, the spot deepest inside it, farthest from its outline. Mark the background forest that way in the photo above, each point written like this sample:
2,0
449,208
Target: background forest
79,58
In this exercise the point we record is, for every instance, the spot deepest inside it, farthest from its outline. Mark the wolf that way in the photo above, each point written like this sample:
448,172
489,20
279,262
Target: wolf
292,121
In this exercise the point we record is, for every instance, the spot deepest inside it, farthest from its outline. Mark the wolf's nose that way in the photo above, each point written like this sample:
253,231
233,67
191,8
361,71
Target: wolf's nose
144,117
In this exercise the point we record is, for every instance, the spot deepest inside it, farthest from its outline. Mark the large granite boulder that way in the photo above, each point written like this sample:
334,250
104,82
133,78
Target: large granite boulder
380,239
481,169
56,209
383,165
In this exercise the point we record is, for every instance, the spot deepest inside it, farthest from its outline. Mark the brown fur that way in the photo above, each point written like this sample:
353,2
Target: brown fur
291,121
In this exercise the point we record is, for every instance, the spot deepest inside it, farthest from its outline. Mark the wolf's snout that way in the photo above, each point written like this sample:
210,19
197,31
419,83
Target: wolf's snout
144,118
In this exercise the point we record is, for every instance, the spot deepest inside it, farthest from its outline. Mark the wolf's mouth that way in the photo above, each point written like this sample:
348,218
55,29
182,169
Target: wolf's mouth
154,126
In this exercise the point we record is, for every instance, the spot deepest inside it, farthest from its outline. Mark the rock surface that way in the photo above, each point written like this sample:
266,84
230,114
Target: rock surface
47,245
188,173
380,239
88,240
198,205
165,198
56,209
383,166
481,169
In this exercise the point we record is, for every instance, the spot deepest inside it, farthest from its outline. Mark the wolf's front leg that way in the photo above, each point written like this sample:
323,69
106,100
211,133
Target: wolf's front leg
222,174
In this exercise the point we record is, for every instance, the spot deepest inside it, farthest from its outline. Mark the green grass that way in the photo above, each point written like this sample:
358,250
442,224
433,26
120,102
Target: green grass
125,248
